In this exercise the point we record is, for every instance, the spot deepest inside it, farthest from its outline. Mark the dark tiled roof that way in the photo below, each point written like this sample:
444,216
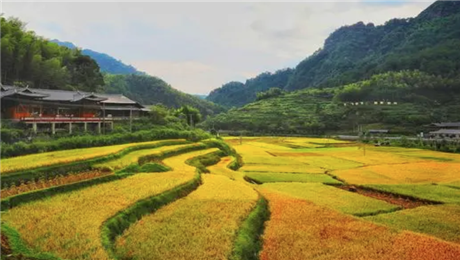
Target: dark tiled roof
447,124
70,96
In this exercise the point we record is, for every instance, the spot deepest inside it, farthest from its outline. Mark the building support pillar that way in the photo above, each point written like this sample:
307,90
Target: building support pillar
70,128
53,128
86,126
34,127
99,127
111,125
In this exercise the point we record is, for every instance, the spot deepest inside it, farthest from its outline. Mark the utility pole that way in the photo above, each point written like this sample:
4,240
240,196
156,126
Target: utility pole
103,118
131,119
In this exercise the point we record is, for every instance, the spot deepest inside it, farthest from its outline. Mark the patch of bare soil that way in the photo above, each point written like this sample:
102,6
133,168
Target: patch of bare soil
6,250
402,201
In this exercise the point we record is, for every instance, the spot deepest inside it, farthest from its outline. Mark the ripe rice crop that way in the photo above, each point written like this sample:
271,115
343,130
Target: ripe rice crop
133,157
442,221
334,198
423,191
269,159
267,146
221,169
425,155
299,229
294,168
56,181
202,225
66,156
68,225
330,163
265,177
366,156
423,172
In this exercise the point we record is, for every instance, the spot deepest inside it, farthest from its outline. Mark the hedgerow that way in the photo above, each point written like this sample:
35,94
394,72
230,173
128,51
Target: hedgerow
84,141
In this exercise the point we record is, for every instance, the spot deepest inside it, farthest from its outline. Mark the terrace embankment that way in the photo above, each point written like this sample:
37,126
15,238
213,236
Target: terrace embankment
406,202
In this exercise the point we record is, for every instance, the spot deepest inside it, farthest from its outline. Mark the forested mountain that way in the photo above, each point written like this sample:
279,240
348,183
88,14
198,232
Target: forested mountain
429,43
28,59
106,62
150,90
402,101
238,94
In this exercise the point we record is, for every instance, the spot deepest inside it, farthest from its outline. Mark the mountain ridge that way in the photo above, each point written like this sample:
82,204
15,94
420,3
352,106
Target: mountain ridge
107,63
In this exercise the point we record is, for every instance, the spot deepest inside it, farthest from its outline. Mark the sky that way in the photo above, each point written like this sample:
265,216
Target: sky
197,47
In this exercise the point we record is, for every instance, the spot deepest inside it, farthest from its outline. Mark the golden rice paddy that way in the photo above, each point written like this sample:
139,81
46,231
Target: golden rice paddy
66,156
68,225
201,226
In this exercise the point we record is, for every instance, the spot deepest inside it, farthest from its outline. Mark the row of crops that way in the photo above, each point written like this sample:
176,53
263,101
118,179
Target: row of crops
172,199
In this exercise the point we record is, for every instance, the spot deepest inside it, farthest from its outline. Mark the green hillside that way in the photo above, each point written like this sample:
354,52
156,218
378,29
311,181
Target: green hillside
420,99
236,94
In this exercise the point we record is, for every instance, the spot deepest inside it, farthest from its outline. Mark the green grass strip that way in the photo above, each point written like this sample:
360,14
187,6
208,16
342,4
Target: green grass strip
20,249
248,241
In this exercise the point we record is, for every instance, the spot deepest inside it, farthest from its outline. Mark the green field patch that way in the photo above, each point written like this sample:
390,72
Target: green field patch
265,177
431,192
442,221
455,184
291,168
328,196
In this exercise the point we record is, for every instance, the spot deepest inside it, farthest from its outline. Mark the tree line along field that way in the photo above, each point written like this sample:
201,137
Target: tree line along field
248,198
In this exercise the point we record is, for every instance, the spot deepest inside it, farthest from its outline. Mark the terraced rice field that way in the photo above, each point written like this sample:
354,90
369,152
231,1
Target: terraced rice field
307,216
300,229
68,225
265,177
441,221
431,192
327,196
420,172
133,157
66,156
201,226
221,169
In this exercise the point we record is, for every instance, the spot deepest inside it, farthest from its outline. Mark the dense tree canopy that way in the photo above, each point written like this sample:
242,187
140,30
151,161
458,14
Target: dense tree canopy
28,59
235,94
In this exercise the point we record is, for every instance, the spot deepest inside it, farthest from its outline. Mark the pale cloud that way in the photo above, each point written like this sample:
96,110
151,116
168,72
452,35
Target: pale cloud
197,47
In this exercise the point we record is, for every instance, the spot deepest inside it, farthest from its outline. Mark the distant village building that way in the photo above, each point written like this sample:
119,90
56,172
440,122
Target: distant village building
443,130
446,133
43,108
377,131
